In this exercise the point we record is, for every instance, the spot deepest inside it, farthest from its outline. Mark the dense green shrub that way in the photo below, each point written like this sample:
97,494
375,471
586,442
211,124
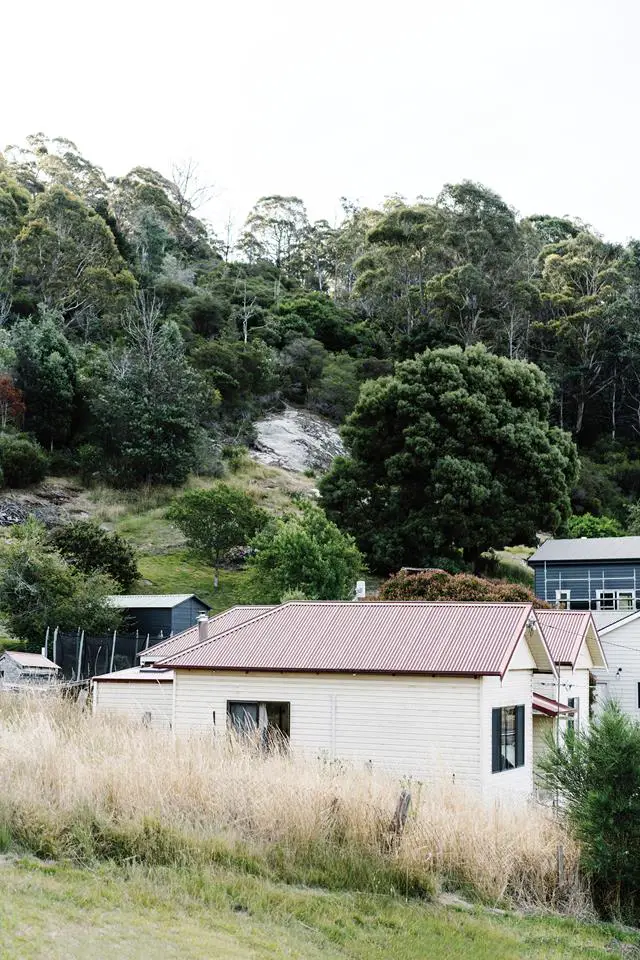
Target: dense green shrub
91,549
336,393
597,774
38,589
307,554
589,526
23,460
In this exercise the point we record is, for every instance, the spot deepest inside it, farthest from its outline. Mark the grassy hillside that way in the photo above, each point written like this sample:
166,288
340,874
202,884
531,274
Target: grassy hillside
56,911
164,563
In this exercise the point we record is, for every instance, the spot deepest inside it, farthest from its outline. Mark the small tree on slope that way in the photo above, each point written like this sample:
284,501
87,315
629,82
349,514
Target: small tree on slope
214,521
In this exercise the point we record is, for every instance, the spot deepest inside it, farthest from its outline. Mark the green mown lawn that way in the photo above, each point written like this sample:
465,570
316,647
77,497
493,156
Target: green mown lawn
64,912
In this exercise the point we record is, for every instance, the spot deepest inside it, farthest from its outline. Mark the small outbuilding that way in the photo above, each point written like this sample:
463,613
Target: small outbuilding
159,615
145,694
138,693
21,669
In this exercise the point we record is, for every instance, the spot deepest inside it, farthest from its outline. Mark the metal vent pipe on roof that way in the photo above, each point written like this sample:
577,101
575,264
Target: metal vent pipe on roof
203,627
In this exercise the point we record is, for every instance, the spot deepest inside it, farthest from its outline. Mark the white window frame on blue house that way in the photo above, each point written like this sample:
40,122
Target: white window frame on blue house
563,599
615,599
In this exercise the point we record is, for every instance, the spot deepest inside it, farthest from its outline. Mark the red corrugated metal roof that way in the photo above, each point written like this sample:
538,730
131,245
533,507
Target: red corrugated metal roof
564,631
549,707
189,638
402,637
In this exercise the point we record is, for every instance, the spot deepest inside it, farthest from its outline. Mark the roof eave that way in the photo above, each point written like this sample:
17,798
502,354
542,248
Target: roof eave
338,671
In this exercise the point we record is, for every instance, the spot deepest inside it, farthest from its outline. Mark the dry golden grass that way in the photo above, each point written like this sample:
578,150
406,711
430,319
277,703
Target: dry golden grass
83,786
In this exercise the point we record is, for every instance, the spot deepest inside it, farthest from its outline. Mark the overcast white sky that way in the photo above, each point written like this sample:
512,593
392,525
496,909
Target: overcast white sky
538,100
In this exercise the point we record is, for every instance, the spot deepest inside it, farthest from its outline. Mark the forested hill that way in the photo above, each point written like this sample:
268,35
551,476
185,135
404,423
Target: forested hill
135,342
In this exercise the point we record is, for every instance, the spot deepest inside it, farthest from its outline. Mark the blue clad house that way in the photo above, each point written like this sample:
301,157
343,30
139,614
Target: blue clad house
599,573
160,615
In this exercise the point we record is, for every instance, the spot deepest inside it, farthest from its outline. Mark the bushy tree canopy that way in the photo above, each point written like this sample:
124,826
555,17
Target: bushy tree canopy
216,520
46,371
146,404
91,549
305,554
587,525
453,453
38,589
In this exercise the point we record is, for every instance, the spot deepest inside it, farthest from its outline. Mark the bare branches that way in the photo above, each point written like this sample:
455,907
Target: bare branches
190,191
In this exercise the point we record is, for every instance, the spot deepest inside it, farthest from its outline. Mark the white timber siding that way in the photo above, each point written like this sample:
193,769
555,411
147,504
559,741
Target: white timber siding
134,700
542,727
620,682
424,727
514,689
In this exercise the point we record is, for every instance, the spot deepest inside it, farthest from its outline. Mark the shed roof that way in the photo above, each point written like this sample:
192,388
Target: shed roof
404,637
31,659
584,549
137,675
565,631
152,601
191,637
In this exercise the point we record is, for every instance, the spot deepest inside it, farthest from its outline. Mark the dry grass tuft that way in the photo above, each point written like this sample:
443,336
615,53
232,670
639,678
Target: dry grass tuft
82,786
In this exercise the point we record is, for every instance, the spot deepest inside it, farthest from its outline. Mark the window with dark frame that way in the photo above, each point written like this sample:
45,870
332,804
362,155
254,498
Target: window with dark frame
271,718
507,740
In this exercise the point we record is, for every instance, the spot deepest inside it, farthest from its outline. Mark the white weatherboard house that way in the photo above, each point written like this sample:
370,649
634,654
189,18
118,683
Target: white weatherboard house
620,636
145,693
577,652
428,690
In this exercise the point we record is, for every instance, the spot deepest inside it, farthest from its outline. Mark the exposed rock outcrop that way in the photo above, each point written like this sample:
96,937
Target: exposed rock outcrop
296,440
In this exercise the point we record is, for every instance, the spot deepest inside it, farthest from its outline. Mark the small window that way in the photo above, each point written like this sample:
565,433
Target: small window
271,719
626,600
563,599
146,718
615,599
243,716
573,719
507,738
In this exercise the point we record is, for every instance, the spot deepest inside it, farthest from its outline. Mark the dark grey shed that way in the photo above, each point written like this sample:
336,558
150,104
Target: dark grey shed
160,615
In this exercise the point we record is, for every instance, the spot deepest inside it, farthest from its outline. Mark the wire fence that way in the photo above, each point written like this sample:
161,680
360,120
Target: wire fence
83,655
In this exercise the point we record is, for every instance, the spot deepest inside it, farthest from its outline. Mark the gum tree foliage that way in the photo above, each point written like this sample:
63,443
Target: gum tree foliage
452,455
215,521
67,259
146,404
306,554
